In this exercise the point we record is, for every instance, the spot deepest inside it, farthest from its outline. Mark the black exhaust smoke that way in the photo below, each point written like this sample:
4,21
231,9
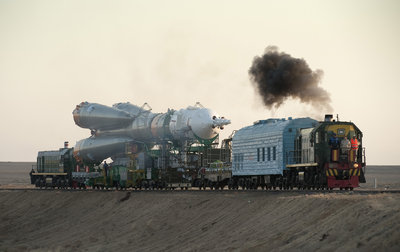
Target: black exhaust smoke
278,76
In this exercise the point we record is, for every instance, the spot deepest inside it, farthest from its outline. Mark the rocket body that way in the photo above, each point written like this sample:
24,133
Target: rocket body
113,127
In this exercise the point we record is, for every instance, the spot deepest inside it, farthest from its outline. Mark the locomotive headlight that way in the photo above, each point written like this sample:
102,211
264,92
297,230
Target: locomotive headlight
355,165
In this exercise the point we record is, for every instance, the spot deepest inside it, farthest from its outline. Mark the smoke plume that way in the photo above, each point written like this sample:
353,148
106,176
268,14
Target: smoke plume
278,76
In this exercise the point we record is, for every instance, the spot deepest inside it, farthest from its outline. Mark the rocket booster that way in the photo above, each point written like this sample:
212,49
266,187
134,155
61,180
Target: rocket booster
112,127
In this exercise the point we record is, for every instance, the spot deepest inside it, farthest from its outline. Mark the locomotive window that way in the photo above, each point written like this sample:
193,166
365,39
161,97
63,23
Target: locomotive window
258,154
263,154
269,153
236,161
274,153
341,131
317,137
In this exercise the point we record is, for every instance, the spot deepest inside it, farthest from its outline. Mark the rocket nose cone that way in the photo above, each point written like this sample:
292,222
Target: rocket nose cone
202,124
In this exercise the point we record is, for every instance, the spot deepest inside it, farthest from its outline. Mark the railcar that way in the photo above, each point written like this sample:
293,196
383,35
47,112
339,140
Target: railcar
137,168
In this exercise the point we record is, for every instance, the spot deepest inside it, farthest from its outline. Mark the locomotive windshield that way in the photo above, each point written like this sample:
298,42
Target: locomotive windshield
341,130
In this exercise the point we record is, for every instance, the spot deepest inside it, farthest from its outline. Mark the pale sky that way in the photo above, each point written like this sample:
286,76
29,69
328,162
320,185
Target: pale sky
172,54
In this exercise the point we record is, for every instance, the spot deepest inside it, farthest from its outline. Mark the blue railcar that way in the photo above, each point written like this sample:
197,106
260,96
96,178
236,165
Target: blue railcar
264,148
262,151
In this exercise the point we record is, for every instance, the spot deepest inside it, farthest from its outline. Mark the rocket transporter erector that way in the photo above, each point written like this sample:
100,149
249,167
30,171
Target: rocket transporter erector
114,127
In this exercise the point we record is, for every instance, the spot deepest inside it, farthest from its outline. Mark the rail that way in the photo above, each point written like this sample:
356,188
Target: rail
195,190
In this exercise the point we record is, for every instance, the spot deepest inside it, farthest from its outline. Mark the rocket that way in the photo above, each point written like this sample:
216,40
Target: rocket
123,123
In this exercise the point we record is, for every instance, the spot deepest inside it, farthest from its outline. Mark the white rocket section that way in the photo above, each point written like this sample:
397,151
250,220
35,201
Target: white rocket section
194,121
100,148
113,127
98,116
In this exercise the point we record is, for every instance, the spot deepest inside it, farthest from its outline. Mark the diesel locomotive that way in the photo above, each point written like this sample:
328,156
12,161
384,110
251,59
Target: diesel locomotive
298,153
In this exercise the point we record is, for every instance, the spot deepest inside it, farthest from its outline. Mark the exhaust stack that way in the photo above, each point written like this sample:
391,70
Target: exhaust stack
328,118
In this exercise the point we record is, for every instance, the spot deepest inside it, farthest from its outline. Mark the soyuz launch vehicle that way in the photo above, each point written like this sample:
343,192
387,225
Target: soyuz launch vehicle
113,128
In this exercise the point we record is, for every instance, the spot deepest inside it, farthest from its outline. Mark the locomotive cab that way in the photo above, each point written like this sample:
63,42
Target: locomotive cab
53,168
339,152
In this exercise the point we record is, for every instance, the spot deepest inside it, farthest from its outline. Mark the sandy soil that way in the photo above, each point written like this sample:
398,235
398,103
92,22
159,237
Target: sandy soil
197,221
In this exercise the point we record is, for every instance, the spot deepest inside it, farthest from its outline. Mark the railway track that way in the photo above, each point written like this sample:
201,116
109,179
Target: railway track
360,191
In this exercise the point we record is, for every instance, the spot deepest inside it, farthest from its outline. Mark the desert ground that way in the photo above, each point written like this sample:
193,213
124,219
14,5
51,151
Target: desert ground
199,221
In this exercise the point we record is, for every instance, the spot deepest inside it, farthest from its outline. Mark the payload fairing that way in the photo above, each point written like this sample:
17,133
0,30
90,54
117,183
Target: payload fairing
114,127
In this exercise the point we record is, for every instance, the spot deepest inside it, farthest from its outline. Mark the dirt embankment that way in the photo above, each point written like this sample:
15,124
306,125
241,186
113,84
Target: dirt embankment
198,221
